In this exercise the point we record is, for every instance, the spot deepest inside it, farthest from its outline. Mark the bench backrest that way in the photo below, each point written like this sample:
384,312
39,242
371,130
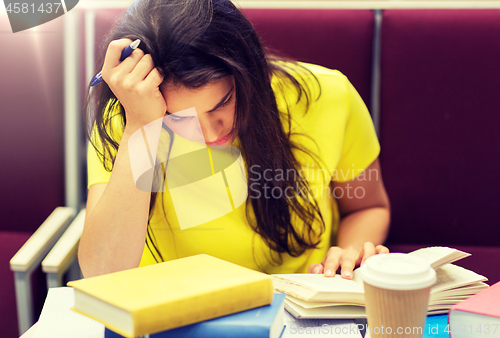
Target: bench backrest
440,112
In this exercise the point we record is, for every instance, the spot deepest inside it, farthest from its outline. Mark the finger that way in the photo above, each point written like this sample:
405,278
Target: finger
332,261
154,78
368,250
113,53
142,69
348,262
380,249
315,268
128,65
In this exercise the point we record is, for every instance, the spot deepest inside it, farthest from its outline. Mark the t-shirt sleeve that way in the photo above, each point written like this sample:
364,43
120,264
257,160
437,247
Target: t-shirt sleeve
95,168
96,171
360,146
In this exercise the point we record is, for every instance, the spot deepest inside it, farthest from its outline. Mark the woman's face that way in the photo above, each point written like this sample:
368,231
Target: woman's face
211,120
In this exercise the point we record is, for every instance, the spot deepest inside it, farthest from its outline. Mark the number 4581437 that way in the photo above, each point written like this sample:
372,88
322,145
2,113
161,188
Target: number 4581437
23,7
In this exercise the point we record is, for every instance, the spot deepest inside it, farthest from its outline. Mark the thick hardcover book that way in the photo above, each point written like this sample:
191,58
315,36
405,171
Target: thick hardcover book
261,322
478,316
172,294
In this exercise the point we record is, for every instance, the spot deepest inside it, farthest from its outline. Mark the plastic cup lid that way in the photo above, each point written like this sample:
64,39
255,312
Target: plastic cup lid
397,271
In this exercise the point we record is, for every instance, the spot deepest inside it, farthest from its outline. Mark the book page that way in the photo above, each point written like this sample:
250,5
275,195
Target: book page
451,276
329,312
438,256
448,302
435,312
321,283
57,320
313,328
312,305
468,290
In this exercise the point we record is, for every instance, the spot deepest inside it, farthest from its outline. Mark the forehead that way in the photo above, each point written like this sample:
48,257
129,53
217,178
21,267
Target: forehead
221,86
204,98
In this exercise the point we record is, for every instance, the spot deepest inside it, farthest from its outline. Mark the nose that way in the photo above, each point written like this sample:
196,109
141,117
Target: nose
211,129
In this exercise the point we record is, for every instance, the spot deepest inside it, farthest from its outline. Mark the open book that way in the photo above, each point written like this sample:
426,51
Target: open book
317,296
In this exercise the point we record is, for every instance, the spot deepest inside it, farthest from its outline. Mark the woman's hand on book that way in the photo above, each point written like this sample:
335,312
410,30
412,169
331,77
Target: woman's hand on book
347,259
135,82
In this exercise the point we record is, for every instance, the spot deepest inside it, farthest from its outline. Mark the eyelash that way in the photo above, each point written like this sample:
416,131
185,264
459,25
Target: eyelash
227,102
179,119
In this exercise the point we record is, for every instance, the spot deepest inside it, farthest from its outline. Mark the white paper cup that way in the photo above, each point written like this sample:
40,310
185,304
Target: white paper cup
397,288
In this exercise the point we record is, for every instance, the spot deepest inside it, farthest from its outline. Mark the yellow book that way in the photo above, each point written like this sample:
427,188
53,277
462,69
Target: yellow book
168,295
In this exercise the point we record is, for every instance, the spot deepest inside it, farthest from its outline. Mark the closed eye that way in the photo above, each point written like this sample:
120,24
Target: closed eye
228,101
177,119
225,100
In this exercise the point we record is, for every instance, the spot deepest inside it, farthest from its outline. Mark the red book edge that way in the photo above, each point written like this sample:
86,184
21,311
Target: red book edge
483,303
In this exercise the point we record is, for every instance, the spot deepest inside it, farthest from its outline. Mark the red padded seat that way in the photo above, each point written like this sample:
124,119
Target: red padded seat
337,39
440,112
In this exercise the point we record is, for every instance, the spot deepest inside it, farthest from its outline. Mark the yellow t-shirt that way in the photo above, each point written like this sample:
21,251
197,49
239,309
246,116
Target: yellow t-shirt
337,127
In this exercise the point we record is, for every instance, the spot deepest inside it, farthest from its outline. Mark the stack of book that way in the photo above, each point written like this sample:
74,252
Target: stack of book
265,321
202,296
197,296
316,296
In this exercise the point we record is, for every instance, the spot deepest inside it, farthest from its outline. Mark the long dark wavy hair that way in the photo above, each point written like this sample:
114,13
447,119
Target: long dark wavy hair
192,43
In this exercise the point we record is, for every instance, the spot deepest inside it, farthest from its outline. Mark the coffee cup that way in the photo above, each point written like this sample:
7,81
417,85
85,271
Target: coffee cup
397,288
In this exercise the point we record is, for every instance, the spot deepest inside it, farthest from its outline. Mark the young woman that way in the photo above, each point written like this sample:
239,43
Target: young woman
316,201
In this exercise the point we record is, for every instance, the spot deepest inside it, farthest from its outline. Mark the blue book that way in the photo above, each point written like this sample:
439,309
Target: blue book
262,322
436,326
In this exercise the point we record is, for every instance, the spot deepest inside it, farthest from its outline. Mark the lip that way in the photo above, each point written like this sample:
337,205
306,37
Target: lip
220,141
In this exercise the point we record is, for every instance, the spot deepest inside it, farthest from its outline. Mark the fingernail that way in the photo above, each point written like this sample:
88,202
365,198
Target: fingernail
316,269
347,273
328,272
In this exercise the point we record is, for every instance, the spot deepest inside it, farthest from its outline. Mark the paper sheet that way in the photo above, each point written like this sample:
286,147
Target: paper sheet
57,320
321,283
319,328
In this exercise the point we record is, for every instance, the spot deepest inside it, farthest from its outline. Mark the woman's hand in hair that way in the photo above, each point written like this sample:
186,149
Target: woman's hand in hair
135,82
347,259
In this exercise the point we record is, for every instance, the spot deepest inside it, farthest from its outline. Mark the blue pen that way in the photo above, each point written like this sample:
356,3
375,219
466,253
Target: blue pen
125,54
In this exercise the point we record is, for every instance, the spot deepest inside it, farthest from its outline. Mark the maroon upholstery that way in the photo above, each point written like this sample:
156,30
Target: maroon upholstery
440,112
10,242
31,125
483,260
338,39
32,157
